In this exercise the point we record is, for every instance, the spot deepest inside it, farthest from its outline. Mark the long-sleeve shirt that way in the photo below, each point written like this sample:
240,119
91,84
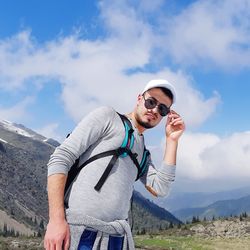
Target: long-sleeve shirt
99,131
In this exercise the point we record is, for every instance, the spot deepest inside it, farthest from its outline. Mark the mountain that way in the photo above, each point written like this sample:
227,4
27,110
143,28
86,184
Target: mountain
23,172
149,217
177,201
223,208
23,158
154,209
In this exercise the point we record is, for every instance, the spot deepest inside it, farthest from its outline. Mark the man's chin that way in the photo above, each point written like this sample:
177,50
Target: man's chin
146,125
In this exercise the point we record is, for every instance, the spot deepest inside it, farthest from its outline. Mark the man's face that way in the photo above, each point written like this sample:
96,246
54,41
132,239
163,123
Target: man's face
149,118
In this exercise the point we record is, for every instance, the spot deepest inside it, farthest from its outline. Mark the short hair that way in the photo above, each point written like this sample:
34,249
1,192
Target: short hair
167,92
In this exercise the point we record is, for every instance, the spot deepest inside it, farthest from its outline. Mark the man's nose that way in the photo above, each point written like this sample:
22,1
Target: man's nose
155,109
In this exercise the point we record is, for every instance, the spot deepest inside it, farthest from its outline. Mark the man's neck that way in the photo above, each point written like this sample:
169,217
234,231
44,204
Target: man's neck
131,116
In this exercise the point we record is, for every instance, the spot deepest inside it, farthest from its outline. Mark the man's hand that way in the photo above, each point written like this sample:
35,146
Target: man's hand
175,126
57,236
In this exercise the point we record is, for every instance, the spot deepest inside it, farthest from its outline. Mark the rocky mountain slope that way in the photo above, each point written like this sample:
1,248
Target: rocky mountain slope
23,158
148,217
229,228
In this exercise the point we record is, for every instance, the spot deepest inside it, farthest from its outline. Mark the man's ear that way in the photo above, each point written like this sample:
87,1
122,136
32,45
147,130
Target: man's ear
139,97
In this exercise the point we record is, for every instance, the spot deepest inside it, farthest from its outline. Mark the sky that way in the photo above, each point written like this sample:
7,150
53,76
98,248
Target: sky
61,59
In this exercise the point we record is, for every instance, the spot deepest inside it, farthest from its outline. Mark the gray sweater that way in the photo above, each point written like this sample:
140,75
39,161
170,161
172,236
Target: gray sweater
99,131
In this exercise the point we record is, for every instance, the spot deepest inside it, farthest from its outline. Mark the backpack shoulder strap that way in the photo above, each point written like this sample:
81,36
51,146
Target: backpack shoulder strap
142,167
144,163
128,141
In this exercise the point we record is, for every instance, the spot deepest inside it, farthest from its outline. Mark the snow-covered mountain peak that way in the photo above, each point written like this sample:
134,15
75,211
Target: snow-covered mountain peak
19,129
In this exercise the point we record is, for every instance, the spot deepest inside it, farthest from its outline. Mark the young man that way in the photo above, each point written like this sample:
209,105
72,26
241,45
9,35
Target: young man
97,218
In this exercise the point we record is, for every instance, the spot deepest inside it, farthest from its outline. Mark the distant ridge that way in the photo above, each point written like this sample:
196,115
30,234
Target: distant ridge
177,201
223,208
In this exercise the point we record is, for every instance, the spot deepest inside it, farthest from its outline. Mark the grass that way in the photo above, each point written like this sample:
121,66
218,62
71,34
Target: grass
149,242
159,242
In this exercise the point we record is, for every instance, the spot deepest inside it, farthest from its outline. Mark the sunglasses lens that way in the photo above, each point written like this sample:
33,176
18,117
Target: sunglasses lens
150,103
163,110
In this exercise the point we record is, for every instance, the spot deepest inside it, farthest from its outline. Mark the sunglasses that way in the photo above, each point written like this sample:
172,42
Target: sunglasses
151,103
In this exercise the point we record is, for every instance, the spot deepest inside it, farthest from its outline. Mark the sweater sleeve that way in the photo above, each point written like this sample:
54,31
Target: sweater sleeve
87,132
158,181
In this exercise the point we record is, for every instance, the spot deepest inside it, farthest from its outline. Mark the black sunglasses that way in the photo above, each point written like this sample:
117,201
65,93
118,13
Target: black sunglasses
151,103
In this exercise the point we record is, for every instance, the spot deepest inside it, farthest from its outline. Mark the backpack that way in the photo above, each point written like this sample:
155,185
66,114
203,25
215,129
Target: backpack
123,151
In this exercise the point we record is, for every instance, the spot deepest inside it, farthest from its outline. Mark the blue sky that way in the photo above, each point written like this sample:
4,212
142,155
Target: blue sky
61,59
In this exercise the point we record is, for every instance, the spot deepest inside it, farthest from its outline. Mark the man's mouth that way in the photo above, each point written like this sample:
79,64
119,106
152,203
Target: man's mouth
151,116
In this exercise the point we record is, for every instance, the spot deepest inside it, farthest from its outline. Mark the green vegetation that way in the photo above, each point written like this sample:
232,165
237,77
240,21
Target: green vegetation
150,242
21,243
189,243
181,237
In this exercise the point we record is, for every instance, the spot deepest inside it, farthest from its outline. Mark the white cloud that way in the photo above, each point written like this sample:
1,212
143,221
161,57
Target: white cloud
207,156
50,131
215,32
17,112
92,73
205,159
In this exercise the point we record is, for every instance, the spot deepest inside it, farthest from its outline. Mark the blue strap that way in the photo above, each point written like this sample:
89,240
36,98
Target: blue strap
143,164
128,141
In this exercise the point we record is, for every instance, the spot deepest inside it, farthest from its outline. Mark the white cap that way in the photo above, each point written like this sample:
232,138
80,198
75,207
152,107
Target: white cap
160,83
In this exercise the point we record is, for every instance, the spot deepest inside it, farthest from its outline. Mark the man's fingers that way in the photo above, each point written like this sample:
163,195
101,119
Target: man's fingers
51,246
59,245
67,240
48,245
45,244
176,119
178,123
174,115
66,244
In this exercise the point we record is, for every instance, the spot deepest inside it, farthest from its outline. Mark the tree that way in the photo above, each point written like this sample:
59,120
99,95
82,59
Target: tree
5,230
241,218
39,234
41,225
35,221
195,219
244,215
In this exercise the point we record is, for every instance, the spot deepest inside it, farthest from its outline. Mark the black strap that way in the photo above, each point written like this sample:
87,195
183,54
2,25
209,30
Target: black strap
143,166
125,119
75,170
106,173
112,162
